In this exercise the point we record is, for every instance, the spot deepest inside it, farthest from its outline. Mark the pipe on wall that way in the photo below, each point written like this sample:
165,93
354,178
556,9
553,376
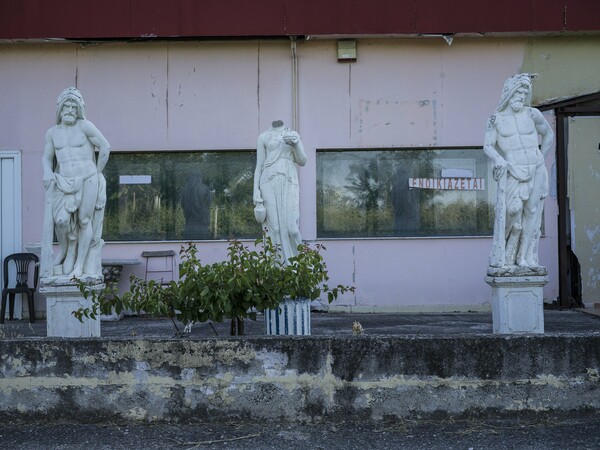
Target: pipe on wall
294,83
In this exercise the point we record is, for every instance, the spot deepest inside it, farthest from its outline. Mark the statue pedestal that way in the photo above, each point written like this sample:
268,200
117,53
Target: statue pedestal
61,301
292,318
517,303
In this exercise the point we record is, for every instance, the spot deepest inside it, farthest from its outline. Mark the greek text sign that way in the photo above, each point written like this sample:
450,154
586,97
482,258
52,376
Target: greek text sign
456,184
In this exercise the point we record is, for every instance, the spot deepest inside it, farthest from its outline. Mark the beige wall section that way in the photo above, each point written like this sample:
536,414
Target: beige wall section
567,66
583,187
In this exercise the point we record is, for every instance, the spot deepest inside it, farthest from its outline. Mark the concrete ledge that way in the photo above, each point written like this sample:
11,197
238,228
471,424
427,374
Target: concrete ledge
297,379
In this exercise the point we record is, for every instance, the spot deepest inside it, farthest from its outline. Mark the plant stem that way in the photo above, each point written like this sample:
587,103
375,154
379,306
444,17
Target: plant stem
175,325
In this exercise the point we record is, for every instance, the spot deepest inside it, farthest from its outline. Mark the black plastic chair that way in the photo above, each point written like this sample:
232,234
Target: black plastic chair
22,262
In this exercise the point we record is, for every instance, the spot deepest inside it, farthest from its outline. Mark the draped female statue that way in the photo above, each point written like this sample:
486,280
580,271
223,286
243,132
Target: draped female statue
276,191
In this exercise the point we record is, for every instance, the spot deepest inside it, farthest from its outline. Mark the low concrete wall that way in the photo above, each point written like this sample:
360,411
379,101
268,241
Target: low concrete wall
297,379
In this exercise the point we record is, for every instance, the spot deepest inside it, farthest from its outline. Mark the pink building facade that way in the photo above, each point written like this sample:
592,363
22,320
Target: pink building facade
427,96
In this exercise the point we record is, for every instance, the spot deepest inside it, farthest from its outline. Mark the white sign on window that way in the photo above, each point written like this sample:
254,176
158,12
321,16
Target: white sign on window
451,184
135,179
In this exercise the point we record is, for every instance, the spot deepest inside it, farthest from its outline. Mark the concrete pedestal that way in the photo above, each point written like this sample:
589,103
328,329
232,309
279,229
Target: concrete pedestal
292,318
517,304
61,301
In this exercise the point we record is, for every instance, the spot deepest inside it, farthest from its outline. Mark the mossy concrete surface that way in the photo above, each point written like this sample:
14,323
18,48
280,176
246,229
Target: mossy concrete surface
298,379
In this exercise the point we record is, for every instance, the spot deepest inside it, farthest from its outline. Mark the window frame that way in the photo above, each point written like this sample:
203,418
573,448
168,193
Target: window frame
249,151
490,185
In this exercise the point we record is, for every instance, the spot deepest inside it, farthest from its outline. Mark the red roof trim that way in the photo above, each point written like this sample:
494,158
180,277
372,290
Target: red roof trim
108,19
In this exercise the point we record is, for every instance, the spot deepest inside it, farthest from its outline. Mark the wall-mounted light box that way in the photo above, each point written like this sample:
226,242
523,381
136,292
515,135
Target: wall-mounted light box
346,50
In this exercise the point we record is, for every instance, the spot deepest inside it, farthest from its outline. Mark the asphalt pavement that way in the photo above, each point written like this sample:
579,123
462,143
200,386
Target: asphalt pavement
323,324
543,433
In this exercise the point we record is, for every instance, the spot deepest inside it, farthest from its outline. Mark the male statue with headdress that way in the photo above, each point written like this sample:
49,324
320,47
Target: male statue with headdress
75,191
512,142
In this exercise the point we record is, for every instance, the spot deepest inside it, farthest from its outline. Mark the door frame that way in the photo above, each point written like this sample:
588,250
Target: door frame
16,212
584,105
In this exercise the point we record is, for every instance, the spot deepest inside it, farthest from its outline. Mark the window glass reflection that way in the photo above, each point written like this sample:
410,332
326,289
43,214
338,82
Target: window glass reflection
154,196
377,193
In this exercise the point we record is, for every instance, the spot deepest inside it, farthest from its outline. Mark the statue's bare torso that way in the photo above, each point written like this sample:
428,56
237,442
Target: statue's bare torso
73,151
517,137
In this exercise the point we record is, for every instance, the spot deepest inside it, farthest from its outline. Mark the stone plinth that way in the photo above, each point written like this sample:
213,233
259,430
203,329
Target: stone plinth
61,301
292,318
517,303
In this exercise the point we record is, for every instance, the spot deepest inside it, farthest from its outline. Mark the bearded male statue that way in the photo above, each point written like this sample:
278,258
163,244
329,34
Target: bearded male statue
75,191
512,140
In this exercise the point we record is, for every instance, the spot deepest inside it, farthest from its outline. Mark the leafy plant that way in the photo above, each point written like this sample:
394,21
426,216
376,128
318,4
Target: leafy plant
250,280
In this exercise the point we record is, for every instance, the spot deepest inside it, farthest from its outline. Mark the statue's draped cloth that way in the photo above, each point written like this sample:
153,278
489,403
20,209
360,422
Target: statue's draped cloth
281,194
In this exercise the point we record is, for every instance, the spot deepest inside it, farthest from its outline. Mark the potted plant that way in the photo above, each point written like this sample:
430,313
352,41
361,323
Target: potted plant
249,280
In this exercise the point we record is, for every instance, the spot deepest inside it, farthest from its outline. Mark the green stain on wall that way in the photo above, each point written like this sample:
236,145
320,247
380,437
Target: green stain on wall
567,66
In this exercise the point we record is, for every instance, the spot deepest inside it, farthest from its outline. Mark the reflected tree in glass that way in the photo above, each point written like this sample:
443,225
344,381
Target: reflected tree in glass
366,193
180,196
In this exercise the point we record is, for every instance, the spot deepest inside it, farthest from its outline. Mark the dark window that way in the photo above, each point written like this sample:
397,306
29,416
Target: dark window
404,192
156,196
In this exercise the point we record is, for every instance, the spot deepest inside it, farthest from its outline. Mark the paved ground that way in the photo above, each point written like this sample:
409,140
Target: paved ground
556,322
548,433
541,433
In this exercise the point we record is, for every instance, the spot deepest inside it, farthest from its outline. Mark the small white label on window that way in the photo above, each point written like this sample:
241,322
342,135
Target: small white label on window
451,184
135,179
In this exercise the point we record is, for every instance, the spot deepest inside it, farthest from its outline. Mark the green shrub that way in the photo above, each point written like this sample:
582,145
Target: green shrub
236,288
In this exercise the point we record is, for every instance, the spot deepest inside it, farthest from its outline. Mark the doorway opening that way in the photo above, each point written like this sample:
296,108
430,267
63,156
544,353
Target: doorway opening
578,185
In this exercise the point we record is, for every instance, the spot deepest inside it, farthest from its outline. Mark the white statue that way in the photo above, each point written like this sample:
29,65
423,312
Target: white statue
276,189
75,191
511,142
